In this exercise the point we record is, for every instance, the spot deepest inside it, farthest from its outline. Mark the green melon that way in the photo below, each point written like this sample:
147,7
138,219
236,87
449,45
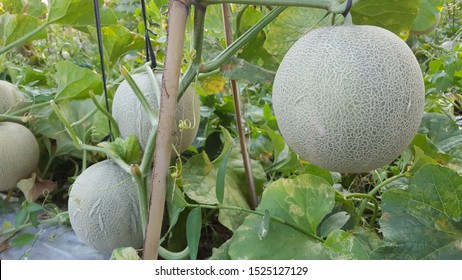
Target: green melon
132,119
349,98
104,208
10,96
19,154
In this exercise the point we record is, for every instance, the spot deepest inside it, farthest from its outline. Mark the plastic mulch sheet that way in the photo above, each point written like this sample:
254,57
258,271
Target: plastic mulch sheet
52,243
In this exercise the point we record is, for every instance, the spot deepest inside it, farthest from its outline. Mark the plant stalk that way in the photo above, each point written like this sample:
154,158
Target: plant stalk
367,197
197,41
178,14
237,110
375,190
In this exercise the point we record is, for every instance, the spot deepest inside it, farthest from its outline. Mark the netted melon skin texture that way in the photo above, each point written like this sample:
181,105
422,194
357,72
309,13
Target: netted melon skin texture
19,154
9,96
349,98
103,208
132,119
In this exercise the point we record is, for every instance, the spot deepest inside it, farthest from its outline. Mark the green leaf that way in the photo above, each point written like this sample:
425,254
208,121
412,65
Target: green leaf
78,13
21,217
303,201
444,134
423,221
442,131
347,245
117,41
243,71
193,231
428,16
22,240
264,226
34,8
221,253
74,82
320,172
333,223
285,160
13,27
221,175
125,253
290,26
34,207
200,178
254,51
394,15
127,149
33,218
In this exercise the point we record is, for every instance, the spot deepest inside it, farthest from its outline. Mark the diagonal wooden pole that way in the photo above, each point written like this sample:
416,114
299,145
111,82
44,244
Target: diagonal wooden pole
177,17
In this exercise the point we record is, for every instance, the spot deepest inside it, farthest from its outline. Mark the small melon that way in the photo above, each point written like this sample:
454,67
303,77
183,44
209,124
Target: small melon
132,119
104,208
10,96
349,98
19,154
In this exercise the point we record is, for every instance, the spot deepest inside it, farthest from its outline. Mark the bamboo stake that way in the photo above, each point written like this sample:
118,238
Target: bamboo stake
177,17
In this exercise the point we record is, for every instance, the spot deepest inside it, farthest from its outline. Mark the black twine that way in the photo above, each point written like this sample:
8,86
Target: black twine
347,8
150,55
101,58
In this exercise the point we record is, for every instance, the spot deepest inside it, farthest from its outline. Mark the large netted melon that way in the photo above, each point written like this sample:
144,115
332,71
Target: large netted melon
104,208
19,154
10,97
132,119
349,98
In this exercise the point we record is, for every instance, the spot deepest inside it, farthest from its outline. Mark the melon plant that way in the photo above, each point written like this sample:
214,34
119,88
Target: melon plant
349,98
19,154
10,96
132,119
104,208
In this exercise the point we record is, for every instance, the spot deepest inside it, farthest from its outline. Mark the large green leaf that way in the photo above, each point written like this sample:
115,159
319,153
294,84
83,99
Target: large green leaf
118,40
428,16
243,71
290,26
304,202
78,13
442,131
127,149
423,221
200,179
75,82
394,15
13,27
34,8
254,50
200,176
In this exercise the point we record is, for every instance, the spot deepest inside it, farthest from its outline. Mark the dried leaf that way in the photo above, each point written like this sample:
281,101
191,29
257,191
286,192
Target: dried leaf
35,187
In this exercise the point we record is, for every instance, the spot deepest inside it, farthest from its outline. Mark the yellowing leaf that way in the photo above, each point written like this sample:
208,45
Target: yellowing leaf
213,84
